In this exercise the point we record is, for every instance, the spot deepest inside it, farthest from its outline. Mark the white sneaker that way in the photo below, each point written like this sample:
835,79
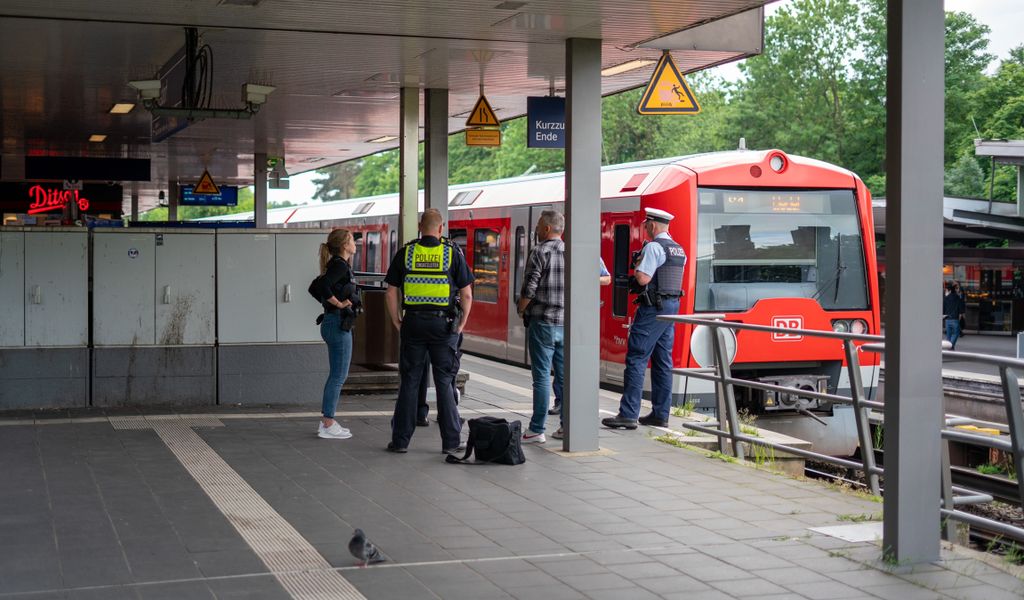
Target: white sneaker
558,434
334,432
533,438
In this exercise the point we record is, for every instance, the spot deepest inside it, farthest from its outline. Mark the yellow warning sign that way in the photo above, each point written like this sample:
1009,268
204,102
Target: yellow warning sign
483,137
667,92
482,115
206,186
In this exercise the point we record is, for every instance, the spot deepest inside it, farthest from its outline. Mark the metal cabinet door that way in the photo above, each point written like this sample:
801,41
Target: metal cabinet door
12,288
185,288
56,288
123,264
246,299
297,265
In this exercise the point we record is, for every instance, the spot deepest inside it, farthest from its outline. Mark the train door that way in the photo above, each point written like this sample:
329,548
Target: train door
488,256
521,227
615,313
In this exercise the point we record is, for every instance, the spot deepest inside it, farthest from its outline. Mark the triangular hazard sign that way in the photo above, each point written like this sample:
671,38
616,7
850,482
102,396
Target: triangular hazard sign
667,92
482,115
206,186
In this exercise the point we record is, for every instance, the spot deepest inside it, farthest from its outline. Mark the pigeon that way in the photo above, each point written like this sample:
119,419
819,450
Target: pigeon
363,549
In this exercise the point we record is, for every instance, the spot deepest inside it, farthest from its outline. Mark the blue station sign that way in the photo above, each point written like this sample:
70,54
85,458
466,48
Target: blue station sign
228,196
545,118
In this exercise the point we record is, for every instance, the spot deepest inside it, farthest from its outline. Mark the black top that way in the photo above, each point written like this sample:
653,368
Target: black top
952,305
459,272
337,282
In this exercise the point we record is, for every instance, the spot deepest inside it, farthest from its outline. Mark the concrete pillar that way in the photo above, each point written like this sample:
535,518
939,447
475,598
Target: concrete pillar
913,383
583,236
259,191
408,164
172,200
435,105
1020,191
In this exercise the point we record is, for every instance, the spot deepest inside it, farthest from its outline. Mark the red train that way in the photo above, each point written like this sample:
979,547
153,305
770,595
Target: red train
770,238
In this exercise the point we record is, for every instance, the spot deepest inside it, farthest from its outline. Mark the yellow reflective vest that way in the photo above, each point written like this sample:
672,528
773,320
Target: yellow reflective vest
427,281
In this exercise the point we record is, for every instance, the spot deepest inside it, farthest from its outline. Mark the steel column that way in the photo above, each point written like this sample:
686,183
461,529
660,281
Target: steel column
172,200
408,164
913,390
135,203
259,194
435,159
582,237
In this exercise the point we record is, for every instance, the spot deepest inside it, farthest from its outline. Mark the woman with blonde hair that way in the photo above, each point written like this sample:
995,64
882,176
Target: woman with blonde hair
338,290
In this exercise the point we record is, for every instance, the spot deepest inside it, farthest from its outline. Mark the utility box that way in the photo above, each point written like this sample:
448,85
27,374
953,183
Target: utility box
44,328
153,317
269,347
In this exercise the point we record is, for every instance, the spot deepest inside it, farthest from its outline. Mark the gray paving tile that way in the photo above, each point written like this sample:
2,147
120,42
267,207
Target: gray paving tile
560,592
902,591
248,588
193,590
824,590
748,588
593,582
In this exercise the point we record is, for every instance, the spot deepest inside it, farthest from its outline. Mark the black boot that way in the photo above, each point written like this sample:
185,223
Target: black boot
619,422
652,420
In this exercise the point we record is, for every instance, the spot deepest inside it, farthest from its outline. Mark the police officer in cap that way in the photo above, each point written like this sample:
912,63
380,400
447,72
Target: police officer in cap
658,281
429,274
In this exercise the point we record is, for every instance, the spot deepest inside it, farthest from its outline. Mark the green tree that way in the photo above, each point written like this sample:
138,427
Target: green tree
337,182
965,179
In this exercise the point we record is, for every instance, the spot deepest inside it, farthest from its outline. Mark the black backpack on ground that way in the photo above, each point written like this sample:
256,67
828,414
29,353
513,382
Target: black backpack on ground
493,440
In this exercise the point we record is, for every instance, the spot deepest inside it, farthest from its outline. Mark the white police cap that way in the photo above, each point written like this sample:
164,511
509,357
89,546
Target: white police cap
659,216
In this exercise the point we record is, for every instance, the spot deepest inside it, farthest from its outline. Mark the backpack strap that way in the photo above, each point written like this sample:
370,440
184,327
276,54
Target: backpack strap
452,459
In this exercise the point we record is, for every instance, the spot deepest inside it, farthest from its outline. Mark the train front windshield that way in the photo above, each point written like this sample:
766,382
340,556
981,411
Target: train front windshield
754,244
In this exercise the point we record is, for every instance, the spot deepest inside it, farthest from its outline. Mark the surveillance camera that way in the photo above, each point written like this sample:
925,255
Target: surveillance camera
254,93
148,89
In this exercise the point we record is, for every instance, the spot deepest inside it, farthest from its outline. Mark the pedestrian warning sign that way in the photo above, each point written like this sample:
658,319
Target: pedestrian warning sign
482,115
667,92
206,186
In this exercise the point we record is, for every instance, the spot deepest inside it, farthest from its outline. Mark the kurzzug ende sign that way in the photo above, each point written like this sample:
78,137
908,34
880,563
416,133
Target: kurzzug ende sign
545,117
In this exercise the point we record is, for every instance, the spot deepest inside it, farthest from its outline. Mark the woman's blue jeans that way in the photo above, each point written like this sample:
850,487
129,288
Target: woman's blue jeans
339,354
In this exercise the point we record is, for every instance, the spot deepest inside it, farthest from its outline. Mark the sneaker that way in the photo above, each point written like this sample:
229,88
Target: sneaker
396,449
424,422
558,434
334,432
533,438
454,451
556,409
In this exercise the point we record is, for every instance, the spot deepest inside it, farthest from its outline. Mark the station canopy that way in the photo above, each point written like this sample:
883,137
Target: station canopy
336,66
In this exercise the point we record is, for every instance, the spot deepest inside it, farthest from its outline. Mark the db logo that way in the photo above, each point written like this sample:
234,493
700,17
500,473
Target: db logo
790,322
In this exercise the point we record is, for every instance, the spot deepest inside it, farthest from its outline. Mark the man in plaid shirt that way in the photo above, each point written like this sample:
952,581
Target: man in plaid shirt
542,306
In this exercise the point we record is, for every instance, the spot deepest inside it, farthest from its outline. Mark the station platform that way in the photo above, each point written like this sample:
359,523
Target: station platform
240,503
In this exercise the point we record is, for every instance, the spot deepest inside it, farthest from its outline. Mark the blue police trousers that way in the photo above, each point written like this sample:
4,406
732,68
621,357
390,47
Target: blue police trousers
425,335
649,339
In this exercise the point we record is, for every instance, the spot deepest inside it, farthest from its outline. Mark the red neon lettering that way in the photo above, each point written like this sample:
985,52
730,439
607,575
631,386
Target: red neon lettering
44,200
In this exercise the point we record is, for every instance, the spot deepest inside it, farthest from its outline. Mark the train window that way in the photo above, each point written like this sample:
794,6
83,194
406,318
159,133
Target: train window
755,244
520,261
486,261
373,251
357,258
620,291
363,208
465,198
458,236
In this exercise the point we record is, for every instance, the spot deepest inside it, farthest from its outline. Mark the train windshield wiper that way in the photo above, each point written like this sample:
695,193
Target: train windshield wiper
840,269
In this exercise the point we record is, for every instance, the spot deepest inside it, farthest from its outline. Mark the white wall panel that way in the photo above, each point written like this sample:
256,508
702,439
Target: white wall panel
185,288
12,288
123,308
297,265
56,288
246,294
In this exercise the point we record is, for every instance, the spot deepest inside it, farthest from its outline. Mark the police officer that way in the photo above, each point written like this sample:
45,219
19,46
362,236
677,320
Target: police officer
658,282
430,274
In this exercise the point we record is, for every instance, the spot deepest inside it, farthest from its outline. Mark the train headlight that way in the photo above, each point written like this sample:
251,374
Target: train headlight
777,163
858,326
841,326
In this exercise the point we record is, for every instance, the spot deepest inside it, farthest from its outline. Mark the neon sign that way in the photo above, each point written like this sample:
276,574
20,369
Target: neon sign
44,200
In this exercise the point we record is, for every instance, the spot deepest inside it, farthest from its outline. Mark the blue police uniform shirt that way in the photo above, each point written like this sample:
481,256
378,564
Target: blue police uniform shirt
652,256
460,273
604,269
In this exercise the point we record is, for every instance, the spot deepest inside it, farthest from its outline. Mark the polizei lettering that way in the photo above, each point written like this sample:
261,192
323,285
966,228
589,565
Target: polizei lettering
425,261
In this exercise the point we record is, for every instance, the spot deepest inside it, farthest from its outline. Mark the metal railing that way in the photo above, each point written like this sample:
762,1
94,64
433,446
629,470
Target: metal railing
951,495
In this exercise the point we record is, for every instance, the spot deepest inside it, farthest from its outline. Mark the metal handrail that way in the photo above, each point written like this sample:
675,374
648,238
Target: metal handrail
721,374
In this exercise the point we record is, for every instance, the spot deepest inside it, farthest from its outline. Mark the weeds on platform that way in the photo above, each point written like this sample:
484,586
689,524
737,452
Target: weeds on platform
860,518
685,410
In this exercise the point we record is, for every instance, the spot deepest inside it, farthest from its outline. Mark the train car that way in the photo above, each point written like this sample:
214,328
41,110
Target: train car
771,239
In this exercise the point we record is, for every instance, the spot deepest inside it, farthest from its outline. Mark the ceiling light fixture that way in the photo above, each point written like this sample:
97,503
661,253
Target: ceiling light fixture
627,66
382,139
122,108
511,5
97,137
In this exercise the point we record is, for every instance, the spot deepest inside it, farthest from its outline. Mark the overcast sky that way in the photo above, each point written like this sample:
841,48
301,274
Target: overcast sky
1004,17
